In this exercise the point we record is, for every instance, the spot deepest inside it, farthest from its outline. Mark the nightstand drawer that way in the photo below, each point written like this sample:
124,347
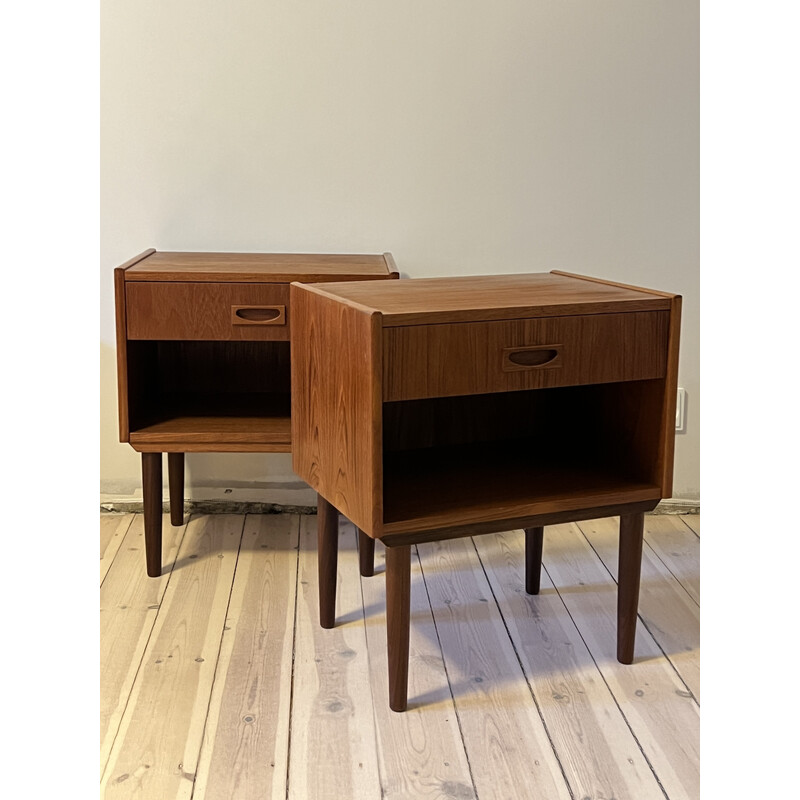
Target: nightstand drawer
209,311
452,359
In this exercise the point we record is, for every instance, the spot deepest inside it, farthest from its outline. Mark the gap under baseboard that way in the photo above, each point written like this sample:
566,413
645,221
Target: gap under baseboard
671,506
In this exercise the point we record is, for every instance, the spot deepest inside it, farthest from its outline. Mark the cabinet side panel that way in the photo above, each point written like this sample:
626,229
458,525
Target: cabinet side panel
667,445
122,353
336,405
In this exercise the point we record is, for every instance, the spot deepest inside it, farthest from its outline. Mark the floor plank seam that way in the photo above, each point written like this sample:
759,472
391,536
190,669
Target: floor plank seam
610,690
447,674
524,674
643,621
691,528
661,561
219,651
124,534
666,566
296,518
146,645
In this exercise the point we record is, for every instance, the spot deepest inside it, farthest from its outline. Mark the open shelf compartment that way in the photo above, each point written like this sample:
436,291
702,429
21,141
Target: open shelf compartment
185,393
463,460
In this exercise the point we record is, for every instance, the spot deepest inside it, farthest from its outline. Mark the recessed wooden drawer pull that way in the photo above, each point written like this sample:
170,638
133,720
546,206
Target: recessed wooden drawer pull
536,356
258,315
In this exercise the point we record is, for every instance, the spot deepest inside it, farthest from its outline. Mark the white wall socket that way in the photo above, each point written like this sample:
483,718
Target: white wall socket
680,411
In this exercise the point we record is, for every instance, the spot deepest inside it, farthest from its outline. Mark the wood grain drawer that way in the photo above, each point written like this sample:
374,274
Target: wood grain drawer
481,357
208,311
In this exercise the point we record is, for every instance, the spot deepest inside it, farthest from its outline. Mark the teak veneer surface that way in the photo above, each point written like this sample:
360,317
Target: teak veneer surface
487,297
260,267
472,357
185,310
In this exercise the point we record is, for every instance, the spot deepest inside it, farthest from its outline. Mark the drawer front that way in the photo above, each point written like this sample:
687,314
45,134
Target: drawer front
480,357
213,311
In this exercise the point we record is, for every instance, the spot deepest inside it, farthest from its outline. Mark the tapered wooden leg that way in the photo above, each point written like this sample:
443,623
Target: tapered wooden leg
327,556
534,538
631,531
398,610
151,494
366,554
175,470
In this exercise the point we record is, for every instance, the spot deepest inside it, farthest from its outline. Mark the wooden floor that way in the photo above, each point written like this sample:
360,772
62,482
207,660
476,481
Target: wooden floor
218,682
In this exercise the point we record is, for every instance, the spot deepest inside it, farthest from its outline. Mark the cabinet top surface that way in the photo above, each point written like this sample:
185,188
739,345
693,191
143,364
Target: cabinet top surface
258,267
482,297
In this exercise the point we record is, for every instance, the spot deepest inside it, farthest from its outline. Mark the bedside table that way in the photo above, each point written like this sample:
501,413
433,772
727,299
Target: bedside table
203,358
461,406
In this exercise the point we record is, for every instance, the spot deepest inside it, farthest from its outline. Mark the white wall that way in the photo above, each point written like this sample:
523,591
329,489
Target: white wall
465,137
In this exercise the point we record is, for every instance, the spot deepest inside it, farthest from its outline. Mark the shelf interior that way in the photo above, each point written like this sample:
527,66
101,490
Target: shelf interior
195,392
263,418
455,461
495,480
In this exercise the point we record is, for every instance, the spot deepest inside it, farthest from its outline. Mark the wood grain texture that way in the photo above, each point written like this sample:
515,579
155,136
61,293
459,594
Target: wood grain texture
215,429
534,540
200,311
152,500
259,267
336,405
121,322
391,266
366,554
175,469
666,609
666,453
485,483
197,394
631,540
333,750
656,703
327,558
509,750
211,447
599,755
113,528
398,599
468,358
428,301
610,283
120,302
678,548
246,739
555,518
420,752
156,750
129,604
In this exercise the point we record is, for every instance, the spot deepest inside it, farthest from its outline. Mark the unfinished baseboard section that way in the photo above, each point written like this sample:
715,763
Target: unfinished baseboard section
235,506
255,498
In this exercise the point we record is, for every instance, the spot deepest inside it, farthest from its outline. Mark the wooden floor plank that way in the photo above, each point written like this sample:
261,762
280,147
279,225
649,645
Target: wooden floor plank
246,739
507,745
155,754
600,756
693,521
421,753
678,547
113,528
671,616
332,750
662,715
129,604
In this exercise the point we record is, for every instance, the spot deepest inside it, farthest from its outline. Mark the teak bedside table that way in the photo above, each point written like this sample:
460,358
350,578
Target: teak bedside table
203,358
436,408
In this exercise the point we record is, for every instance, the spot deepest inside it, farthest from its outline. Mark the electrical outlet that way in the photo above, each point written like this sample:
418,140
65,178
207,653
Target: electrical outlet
680,411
